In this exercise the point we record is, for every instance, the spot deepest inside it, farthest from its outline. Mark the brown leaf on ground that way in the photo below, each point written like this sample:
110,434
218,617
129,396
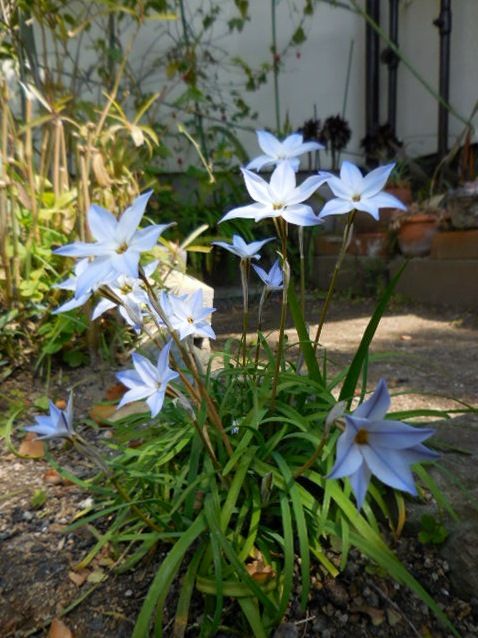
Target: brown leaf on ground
115,391
52,477
258,570
377,616
31,446
78,577
58,629
101,413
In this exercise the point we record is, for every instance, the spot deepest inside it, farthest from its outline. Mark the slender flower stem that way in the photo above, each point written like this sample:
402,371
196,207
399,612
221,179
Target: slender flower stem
282,230
245,266
302,270
330,291
312,459
210,406
259,325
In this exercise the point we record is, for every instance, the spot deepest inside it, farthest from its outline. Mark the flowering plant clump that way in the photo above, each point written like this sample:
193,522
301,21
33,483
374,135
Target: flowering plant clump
240,464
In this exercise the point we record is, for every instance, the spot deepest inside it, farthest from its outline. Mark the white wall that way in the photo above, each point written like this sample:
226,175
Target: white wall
317,76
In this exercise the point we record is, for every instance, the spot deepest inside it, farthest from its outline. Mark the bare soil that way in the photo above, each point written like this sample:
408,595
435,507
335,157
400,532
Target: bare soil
429,359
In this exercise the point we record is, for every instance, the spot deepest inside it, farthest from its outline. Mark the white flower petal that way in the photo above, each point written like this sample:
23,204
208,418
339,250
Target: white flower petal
335,207
257,188
130,219
251,211
258,163
138,393
269,144
100,271
301,215
375,181
305,190
155,402
146,238
282,183
145,369
101,222
101,307
292,143
339,188
351,176
386,200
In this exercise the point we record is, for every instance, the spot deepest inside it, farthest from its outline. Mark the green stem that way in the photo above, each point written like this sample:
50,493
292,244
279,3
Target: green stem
282,228
302,270
259,325
245,266
330,291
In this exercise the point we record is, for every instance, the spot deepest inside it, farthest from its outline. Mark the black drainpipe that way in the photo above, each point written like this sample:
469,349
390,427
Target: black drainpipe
372,69
443,22
392,61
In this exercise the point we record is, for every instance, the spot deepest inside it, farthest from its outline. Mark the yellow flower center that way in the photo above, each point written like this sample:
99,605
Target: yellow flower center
190,320
356,198
361,438
122,248
277,206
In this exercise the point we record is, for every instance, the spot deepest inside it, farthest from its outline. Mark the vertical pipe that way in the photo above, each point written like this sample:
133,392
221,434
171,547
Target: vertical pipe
372,69
443,22
393,61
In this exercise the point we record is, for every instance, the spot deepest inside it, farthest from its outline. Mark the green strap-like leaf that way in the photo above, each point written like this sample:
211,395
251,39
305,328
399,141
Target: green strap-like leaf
159,588
350,383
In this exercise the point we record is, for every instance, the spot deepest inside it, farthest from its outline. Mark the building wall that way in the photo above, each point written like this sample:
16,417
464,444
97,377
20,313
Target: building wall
314,74
318,77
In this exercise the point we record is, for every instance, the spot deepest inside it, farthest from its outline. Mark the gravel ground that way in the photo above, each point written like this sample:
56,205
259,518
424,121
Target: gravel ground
429,354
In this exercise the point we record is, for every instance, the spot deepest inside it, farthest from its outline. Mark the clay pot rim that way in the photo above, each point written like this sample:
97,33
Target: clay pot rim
419,218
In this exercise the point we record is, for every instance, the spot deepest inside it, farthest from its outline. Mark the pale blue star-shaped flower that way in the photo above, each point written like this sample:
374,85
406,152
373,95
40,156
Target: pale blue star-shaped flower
117,246
279,198
70,284
133,298
187,315
374,445
273,280
276,151
59,424
241,249
354,191
147,381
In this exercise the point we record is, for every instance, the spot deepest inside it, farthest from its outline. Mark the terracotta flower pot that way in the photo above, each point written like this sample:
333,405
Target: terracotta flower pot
365,223
370,244
416,234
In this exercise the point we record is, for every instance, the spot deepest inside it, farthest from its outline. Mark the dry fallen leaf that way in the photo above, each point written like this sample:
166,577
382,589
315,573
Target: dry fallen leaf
58,629
101,413
31,446
138,407
393,617
258,570
78,577
377,616
51,476
115,392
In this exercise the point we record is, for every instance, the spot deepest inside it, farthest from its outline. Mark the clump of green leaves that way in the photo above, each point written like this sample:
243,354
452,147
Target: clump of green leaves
432,531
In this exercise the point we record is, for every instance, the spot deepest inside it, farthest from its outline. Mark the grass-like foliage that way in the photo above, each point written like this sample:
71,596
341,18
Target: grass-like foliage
241,468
